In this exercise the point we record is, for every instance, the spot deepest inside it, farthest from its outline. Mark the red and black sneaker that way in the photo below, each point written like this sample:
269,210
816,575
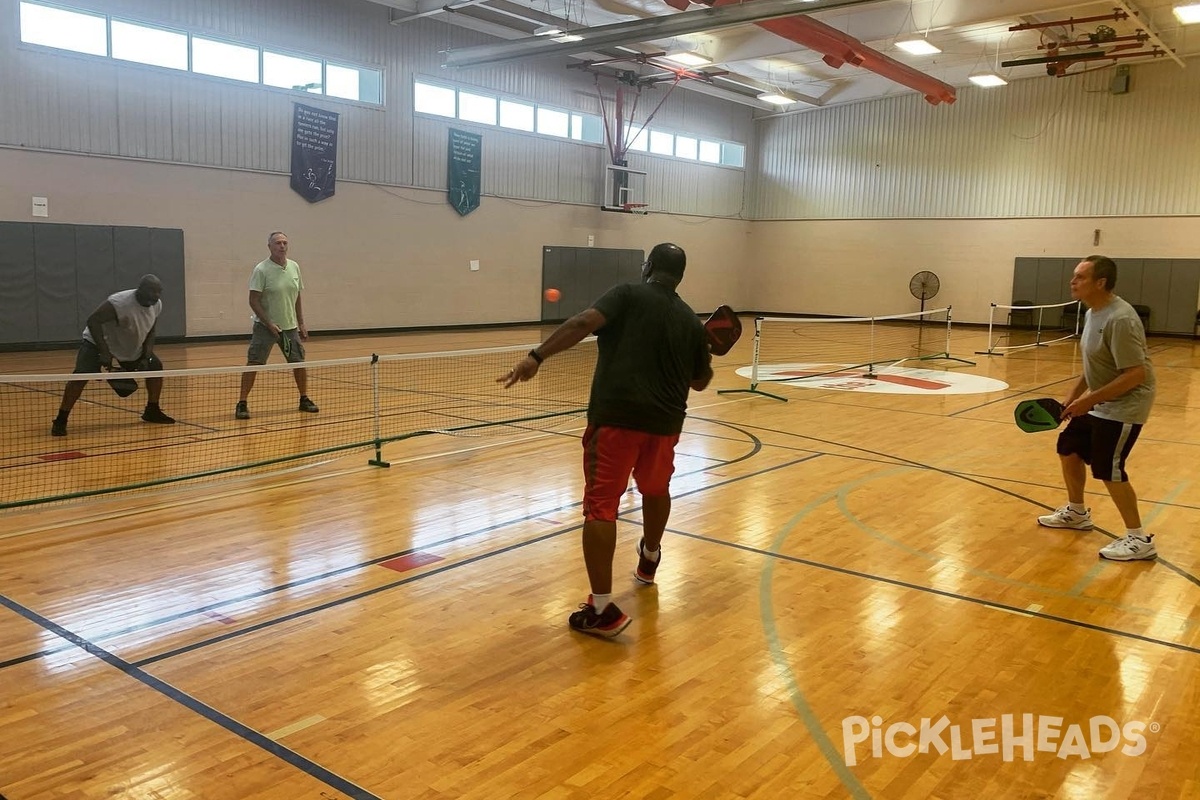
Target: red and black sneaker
606,624
646,568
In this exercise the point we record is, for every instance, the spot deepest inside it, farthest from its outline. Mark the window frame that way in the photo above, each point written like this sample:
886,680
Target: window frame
190,71
576,121
187,44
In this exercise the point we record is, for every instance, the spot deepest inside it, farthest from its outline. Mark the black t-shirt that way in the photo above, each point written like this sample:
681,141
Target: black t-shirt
652,346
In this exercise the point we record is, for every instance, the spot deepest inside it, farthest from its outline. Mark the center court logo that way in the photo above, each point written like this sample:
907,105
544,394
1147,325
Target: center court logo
1008,736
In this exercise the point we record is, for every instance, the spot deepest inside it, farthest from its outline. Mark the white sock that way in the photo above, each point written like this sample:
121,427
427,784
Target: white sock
1078,508
1138,532
648,554
601,601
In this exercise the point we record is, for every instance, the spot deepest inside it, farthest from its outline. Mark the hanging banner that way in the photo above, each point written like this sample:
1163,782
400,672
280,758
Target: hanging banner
465,159
314,152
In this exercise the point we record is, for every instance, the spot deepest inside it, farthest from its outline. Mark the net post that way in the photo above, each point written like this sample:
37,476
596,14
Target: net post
991,349
754,369
949,318
376,416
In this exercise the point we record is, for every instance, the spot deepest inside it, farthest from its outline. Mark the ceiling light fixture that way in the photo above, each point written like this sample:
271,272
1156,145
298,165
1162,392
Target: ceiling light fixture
776,98
1188,14
688,58
548,30
918,47
570,37
987,79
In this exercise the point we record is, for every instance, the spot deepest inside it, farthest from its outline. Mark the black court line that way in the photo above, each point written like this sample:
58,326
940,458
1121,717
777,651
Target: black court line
756,447
270,623
135,670
1017,393
240,730
966,477
941,592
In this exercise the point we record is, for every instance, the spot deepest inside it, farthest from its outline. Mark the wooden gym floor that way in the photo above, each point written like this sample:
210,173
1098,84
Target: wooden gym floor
839,567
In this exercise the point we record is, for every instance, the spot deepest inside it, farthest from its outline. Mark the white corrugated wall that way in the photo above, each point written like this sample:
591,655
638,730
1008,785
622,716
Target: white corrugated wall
1037,147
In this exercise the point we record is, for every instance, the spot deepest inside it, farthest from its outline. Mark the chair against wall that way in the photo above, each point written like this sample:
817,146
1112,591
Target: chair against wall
1021,318
1144,313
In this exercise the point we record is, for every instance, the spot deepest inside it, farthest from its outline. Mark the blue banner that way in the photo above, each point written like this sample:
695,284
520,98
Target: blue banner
314,152
465,160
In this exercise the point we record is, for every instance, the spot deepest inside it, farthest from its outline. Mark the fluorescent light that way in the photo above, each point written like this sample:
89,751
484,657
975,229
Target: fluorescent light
1189,13
918,47
570,37
548,30
688,59
987,79
776,98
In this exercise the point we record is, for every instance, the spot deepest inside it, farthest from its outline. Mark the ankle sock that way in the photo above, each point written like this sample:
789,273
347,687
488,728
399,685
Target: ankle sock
1078,508
601,601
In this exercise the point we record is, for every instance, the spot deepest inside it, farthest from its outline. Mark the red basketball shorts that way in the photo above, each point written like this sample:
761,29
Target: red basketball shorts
611,455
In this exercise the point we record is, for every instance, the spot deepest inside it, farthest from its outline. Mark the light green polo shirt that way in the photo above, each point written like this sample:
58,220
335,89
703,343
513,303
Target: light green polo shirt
280,286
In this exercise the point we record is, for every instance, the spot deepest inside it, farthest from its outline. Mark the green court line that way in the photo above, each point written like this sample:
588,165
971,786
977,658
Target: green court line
844,492
1078,589
799,701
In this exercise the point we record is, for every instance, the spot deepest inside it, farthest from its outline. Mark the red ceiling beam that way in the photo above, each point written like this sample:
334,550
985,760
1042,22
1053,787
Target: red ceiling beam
838,48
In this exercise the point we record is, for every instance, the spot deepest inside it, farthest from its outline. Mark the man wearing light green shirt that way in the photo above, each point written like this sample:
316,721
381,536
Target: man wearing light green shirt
275,286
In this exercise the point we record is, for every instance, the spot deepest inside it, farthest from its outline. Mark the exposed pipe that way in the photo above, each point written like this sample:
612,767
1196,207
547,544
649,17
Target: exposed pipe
838,48
1116,16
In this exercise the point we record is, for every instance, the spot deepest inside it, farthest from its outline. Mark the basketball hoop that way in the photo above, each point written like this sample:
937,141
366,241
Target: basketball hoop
636,208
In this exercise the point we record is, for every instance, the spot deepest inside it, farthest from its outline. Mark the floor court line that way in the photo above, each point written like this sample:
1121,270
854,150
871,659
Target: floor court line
489,528
313,769
428,574
1067,620
941,592
361,565
933,558
964,476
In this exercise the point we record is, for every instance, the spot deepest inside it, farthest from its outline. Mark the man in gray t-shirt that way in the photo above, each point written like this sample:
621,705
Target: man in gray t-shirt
1107,407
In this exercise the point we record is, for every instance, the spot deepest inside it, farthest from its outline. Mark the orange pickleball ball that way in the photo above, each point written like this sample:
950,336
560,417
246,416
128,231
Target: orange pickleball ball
552,295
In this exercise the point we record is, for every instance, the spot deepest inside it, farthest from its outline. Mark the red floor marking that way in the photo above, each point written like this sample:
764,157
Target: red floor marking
918,383
66,455
901,380
410,561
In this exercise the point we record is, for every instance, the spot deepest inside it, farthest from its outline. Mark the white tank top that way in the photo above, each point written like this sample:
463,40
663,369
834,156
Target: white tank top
134,321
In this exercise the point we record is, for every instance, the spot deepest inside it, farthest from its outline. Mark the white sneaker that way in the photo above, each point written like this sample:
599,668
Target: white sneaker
1066,518
1131,548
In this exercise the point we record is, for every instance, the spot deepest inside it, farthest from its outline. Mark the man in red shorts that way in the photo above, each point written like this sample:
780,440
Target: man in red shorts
652,350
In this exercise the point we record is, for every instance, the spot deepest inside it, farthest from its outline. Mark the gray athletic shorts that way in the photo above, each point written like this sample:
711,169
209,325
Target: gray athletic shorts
261,342
87,360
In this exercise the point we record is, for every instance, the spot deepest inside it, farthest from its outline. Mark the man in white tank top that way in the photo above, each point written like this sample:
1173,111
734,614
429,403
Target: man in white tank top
122,328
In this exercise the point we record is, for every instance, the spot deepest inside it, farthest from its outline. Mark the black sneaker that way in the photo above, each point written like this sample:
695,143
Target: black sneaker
58,427
242,411
607,624
308,405
155,414
646,568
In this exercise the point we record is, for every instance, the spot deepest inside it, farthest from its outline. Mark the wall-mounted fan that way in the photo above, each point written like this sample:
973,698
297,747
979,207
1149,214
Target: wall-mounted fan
924,286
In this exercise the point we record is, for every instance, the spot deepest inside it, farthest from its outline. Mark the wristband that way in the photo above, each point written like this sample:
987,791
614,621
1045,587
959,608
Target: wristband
536,356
